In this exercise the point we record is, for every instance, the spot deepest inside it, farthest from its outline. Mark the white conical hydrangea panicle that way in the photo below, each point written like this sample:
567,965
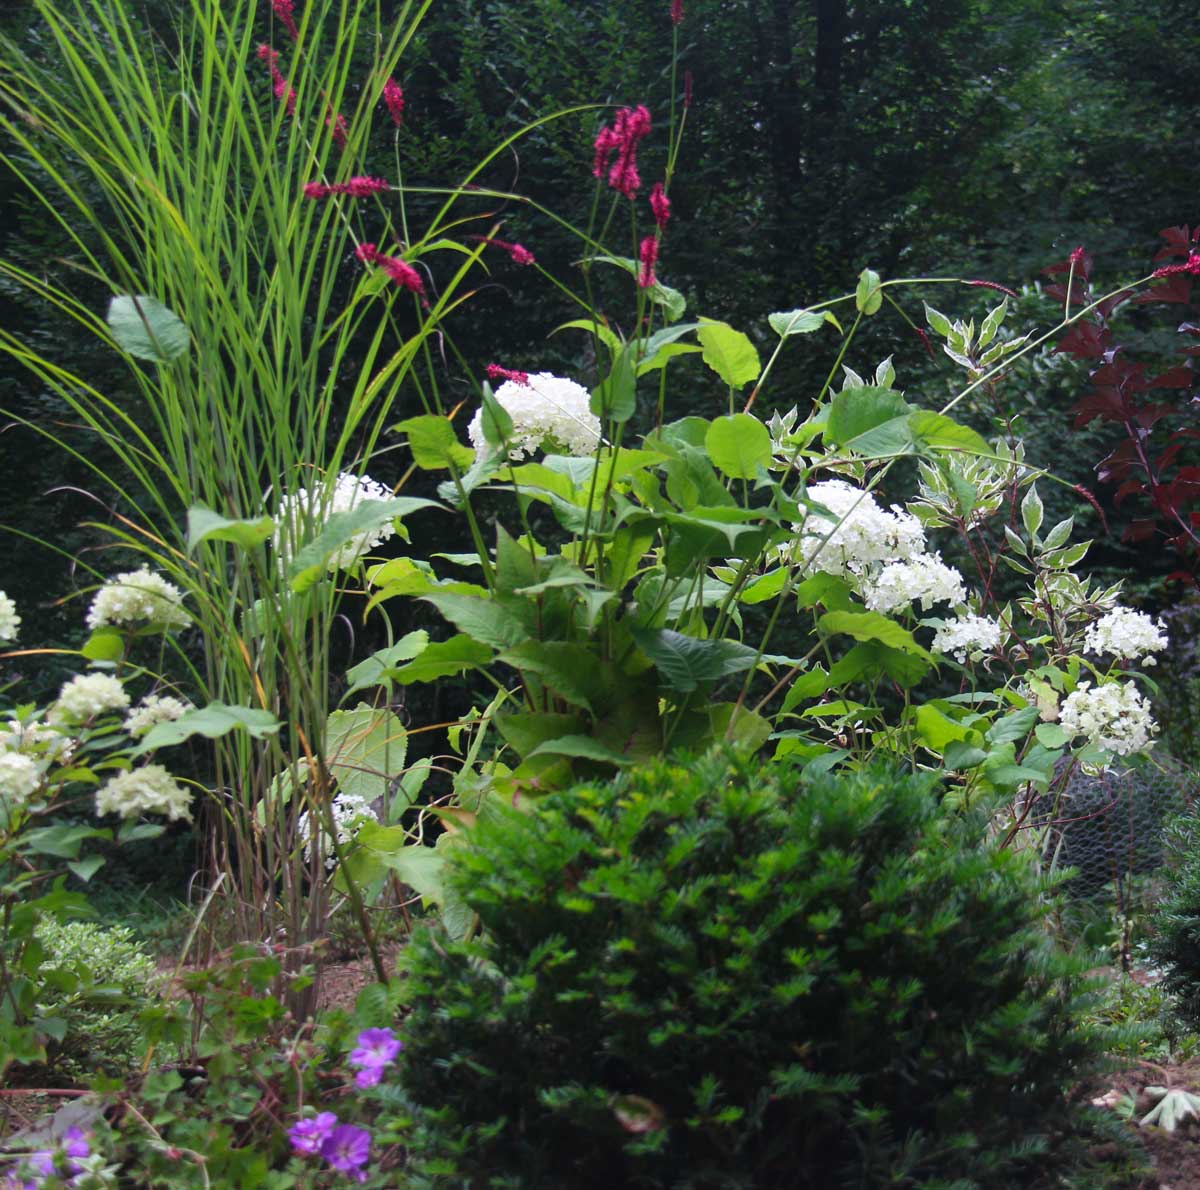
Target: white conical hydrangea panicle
1126,635
1113,716
858,533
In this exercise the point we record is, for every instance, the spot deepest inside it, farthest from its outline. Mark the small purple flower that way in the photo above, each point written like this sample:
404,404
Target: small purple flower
76,1147
377,1049
307,1136
348,1149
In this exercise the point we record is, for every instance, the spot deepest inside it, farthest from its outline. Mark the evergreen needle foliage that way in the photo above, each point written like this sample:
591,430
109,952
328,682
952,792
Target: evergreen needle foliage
711,974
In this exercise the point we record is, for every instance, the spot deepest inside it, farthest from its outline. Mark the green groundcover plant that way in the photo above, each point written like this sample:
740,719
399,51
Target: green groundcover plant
714,974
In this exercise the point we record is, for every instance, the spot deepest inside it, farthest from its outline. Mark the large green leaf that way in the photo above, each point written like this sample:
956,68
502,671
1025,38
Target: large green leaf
615,397
145,328
868,296
527,729
62,842
365,748
937,432
729,353
444,659
569,670
205,525
684,662
484,619
212,721
800,322
434,444
855,412
378,669
872,626
739,445
583,747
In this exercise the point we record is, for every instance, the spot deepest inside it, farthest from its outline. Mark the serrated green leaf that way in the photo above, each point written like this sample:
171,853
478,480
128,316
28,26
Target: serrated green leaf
365,748
444,659
434,444
683,662
212,721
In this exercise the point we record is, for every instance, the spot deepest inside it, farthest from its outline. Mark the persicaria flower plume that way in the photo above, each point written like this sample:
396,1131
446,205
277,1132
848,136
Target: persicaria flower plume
1190,268
660,204
519,253
283,89
358,187
616,149
399,270
285,11
393,96
648,258
496,372
676,11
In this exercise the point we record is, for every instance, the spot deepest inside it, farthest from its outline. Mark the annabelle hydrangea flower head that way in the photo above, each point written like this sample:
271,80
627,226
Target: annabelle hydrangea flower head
302,513
1126,635
20,777
9,620
547,412
138,597
349,811
146,790
857,533
86,696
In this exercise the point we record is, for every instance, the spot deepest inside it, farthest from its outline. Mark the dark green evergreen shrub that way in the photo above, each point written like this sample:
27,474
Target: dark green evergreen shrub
1176,942
712,974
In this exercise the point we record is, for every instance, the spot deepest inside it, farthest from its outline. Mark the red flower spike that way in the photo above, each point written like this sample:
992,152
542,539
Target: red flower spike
355,188
496,372
393,96
676,11
618,143
402,273
1189,268
367,253
317,190
660,204
924,336
996,286
285,11
648,255
341,130
521,254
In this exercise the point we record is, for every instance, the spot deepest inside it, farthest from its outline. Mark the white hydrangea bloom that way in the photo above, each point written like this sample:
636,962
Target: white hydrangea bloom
146,790
1126,635
87,695
925,579
136,597
860,533
9,620
967,635
313,506
36,739
350,811
548,411
19,777
154,708
1113,716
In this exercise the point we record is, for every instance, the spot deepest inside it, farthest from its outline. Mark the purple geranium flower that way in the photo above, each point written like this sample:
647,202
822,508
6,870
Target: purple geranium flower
307,1136
348,1149
376,1049
76,1147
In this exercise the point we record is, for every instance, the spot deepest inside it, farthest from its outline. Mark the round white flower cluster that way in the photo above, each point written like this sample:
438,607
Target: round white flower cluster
146,790
1125,634
547,412
87,695
9,620
303,512
138,596
154,708
968,634
859,533
349,811
925,579
19,777
1113,716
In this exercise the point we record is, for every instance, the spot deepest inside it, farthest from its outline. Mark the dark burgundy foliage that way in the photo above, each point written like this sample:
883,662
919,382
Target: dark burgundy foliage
1155,469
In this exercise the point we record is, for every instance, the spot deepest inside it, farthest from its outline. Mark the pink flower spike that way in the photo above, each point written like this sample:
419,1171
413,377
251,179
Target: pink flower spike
393,96
660,204
496,372
362,187
996,286
402,273
1190,268
619,144
521,254
341,130
316,190
648,255
367,253
284,10
267,54
676,11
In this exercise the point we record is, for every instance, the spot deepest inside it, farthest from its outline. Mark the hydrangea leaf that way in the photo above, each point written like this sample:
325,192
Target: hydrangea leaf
205,525
147,329
729,353
434,444
376,669
872,626
212,721
365,748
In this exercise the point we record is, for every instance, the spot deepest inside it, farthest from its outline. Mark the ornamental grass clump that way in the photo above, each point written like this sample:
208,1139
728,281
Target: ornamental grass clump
713,973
